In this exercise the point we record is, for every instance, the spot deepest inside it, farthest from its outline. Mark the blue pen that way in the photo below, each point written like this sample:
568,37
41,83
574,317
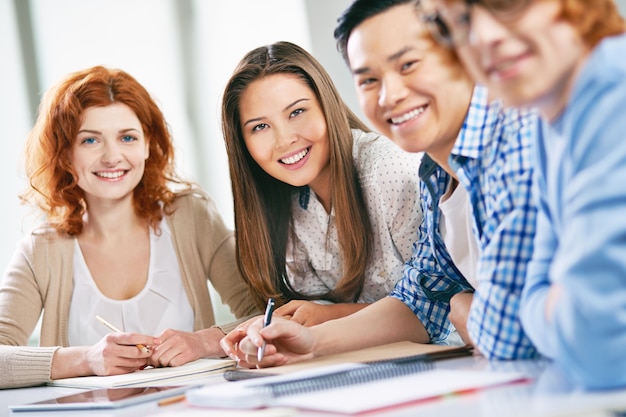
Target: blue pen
267,319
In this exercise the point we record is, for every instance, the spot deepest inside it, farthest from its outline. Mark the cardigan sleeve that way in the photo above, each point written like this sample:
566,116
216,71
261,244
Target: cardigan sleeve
21,304
225,277
222,267
25,366
206,249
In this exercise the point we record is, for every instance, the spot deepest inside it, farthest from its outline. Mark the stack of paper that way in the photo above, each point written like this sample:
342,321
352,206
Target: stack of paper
187,374
356,397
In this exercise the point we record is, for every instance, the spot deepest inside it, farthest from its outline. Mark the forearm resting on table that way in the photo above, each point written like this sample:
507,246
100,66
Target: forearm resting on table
386,321
69,362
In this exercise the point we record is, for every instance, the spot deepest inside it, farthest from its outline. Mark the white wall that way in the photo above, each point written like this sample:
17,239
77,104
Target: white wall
14,124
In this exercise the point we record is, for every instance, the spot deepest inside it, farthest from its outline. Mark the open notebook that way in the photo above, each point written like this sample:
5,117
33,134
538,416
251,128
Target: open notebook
350,387
186,374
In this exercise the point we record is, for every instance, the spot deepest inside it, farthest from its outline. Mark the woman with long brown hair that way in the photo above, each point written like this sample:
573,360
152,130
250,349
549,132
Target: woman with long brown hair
325,211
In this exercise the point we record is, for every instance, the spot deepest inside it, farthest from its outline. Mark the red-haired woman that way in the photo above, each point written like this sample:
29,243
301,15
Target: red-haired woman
124,238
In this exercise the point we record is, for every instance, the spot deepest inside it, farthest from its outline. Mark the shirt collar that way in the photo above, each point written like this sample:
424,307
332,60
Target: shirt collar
480,121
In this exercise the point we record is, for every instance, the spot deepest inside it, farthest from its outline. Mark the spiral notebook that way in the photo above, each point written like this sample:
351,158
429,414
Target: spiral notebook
391,351
349,388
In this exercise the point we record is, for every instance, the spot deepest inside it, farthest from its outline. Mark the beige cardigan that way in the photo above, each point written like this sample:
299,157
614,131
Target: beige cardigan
40,277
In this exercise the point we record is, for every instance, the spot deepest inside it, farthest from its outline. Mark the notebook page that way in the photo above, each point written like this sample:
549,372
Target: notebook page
180,375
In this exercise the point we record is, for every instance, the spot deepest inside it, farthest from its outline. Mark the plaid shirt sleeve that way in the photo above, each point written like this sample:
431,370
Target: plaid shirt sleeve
502,197
427,284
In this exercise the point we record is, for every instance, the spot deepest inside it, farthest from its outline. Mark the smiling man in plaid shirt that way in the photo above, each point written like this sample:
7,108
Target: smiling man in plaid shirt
491,159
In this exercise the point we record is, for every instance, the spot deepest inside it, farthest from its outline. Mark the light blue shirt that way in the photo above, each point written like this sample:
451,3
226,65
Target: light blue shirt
581,228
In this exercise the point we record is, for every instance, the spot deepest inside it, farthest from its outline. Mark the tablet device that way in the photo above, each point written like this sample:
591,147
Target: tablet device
103,398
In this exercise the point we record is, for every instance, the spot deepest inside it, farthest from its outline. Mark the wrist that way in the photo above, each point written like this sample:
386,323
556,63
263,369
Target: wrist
320,344
211,342
70,362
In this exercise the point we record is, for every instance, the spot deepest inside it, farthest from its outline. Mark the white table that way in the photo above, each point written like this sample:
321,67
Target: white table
548,395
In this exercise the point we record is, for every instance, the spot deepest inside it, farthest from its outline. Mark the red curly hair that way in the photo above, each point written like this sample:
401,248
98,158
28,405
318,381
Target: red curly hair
53,186
594,19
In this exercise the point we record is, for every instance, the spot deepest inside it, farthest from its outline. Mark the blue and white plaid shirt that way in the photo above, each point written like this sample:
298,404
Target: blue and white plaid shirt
492,159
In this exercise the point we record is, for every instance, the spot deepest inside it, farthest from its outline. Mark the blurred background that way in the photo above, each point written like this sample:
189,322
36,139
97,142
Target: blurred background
182,51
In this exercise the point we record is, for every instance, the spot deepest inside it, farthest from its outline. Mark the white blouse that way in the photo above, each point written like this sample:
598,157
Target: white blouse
390,184
162,304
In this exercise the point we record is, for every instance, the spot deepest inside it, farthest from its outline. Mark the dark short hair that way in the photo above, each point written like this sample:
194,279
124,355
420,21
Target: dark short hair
357,13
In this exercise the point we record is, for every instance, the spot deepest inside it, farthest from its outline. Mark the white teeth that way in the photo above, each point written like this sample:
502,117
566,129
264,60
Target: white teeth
295,158
110,175
407,116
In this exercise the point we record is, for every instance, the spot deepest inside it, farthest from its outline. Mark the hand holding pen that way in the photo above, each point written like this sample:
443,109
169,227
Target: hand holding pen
267,319
287,342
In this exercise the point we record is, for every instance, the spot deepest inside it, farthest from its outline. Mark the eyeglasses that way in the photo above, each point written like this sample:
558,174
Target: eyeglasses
450,22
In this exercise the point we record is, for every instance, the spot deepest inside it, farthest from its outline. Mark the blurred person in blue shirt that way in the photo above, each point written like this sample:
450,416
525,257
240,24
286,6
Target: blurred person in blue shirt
566,59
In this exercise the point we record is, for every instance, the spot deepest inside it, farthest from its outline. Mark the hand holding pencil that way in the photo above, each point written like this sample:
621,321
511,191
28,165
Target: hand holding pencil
118,352
175,347
141,347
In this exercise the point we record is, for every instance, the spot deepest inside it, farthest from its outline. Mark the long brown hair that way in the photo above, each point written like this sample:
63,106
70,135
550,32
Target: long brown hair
262,203
53,186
